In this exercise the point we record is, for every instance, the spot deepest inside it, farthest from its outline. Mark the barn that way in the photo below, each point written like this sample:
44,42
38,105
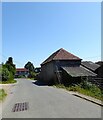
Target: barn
62,67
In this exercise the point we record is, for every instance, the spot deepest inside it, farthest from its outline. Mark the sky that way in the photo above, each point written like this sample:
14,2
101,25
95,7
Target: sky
32,31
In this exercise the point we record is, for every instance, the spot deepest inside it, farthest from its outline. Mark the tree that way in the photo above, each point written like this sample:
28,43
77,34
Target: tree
7,70
1,72
31,68
10,66
5,74
10,61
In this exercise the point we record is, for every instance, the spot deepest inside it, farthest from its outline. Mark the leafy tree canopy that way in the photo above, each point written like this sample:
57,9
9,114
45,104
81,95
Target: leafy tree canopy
10,66
7,70
29,66
5,73
10,61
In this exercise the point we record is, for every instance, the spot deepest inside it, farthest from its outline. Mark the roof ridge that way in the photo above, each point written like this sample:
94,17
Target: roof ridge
58,51
61,54
61,49
50,57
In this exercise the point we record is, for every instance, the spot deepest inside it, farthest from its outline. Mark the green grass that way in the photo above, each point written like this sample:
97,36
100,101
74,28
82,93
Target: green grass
94,91
8,82
2,94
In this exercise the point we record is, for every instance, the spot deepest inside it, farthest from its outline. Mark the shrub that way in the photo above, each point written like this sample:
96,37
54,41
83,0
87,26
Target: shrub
86,85
32,75
2,94
21,76
72,88
5,74
85,88
95,90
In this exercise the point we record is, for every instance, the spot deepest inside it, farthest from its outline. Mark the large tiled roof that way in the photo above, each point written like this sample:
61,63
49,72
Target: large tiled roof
90,65
78,71
61,54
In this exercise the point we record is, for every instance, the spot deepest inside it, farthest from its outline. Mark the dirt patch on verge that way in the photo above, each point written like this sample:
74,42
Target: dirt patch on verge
6,87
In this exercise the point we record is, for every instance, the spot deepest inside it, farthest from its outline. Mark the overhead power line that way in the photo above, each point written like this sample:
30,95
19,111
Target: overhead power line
15,61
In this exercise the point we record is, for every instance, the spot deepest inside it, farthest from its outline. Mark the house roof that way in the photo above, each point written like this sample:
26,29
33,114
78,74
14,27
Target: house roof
22,69
78,71
90,65
61,54
99,62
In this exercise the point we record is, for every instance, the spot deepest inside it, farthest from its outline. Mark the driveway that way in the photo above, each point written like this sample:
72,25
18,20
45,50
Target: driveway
29,99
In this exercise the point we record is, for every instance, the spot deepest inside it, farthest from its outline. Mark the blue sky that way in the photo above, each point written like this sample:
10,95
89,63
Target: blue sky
33,31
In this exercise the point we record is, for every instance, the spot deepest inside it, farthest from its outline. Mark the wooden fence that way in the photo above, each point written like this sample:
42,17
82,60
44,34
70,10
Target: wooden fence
97,81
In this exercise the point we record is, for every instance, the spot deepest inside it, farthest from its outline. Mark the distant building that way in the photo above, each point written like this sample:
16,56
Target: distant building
90,65
100,69
37,70
63,67
99,63
22,72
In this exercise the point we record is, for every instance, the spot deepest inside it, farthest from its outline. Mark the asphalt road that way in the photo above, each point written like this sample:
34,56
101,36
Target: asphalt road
47,102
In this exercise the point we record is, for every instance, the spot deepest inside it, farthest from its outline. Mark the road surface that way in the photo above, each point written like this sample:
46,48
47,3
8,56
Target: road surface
28,99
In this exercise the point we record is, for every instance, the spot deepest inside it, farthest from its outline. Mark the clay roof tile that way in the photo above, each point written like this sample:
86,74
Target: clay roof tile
61,54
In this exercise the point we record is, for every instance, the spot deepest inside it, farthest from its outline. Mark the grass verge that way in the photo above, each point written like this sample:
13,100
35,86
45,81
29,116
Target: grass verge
8,82
94,91
30,78
2,94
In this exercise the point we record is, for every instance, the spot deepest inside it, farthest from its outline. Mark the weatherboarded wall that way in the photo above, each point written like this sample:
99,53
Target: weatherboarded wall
66,63
47,72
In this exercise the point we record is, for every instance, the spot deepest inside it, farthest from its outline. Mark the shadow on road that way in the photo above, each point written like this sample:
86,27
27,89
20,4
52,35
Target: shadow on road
40,83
